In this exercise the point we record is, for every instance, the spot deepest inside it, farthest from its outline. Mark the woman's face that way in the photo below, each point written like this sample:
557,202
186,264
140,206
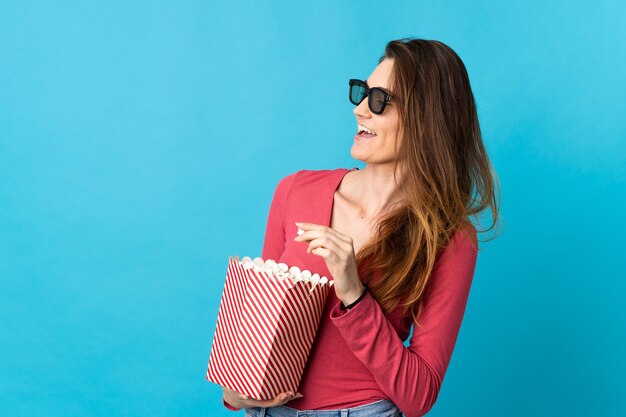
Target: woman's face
378,149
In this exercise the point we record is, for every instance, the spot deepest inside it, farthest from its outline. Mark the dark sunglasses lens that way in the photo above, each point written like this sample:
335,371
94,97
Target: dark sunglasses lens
357,93
376,101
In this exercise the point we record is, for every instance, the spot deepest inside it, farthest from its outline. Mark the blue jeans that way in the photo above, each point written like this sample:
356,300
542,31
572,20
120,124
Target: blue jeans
380,408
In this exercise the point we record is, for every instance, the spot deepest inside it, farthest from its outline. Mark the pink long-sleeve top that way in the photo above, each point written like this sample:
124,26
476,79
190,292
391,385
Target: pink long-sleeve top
359,356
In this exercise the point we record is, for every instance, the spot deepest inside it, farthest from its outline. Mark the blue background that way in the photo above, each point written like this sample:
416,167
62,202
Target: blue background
140,144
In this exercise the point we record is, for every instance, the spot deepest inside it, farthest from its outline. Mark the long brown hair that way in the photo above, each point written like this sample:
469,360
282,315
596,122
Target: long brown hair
446,173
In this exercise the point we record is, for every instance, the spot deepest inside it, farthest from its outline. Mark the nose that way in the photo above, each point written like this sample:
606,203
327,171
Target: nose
362,109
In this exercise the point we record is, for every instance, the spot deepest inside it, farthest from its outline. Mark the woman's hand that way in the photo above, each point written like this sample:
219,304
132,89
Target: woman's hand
239,400
337,250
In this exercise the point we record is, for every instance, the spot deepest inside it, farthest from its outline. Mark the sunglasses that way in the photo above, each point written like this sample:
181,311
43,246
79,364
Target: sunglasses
377,98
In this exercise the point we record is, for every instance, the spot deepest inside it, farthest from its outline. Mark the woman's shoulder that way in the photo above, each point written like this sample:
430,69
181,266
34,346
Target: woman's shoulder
320,173
464,240
307,177
468,234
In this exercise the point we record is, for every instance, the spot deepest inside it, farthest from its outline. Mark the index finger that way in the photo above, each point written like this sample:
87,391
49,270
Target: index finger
310,226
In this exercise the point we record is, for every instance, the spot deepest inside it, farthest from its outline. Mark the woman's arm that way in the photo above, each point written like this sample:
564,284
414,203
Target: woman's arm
412,377
274,243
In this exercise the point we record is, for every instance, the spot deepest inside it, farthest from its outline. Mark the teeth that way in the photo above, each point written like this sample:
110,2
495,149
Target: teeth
363,128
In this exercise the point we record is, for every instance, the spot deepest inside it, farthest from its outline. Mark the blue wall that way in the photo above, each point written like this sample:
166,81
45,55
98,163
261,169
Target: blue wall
140,143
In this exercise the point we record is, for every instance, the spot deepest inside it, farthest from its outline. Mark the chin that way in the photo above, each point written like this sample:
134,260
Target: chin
359,156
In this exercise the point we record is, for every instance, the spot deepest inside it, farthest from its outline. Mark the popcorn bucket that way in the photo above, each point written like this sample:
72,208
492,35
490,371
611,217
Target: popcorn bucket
266,325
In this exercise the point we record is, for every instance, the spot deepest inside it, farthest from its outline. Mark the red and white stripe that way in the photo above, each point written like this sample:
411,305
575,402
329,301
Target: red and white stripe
265,330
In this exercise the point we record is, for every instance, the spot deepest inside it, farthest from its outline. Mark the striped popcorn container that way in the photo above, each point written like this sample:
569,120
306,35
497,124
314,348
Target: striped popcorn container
266,324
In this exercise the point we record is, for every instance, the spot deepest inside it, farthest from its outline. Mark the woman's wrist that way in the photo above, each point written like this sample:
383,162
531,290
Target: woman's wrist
348,306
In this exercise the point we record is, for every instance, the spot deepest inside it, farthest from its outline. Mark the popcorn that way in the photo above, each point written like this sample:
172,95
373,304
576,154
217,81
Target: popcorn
281,270
266,324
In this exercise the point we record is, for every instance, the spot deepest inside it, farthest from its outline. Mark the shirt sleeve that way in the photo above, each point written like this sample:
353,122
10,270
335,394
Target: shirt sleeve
274,243
230,407
412,377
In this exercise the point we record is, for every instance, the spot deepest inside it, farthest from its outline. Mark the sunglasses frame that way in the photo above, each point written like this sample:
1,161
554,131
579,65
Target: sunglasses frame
363,84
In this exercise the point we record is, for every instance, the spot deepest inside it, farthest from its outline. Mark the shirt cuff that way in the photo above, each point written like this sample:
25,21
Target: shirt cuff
230,407
337,315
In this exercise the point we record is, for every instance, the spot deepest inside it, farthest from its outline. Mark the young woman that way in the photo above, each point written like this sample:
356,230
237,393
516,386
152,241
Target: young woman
395,236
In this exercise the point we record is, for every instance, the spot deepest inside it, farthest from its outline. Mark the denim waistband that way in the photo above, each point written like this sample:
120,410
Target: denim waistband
380,408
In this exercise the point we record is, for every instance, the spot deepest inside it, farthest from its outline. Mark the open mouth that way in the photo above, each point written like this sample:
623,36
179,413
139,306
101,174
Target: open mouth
364,132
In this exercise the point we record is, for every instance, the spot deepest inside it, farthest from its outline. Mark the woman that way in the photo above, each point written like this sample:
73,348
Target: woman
395,237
